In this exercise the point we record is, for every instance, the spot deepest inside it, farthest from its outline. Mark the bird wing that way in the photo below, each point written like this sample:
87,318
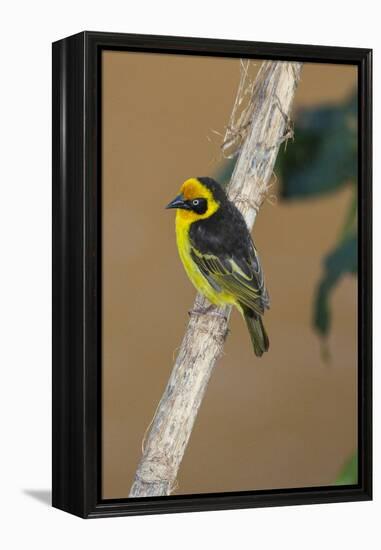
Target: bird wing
241,277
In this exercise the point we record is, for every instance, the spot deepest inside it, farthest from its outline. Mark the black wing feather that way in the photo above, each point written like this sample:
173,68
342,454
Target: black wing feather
222,249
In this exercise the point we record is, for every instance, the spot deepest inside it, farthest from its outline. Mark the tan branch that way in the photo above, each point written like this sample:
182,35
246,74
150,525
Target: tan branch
260,130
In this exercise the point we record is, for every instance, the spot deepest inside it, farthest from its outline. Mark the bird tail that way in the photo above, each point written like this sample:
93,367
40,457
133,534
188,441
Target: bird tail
257,331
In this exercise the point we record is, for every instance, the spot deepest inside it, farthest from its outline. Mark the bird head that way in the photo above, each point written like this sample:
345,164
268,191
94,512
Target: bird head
199,199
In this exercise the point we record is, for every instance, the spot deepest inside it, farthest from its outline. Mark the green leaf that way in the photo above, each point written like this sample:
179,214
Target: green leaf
323,156
342,260
350,222
349,472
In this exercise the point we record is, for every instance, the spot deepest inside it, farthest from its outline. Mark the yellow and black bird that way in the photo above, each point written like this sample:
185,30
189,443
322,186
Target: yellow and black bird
218,254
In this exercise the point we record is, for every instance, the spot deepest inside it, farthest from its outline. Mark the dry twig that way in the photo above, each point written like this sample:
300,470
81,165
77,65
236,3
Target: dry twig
255,134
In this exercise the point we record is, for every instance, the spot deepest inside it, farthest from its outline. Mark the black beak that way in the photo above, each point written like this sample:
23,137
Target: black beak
178,202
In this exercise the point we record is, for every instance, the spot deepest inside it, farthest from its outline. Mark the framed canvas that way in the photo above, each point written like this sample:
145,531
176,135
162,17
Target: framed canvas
194,369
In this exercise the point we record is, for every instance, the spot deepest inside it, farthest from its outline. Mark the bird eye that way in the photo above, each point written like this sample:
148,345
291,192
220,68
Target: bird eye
195,202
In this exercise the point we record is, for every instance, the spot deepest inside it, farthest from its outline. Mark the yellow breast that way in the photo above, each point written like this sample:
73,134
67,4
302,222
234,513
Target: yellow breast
194,274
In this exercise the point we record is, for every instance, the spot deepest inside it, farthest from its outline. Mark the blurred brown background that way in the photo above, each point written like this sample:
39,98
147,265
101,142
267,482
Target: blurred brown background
286,420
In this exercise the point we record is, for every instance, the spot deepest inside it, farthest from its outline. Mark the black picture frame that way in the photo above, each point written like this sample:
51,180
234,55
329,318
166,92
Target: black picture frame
77,274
